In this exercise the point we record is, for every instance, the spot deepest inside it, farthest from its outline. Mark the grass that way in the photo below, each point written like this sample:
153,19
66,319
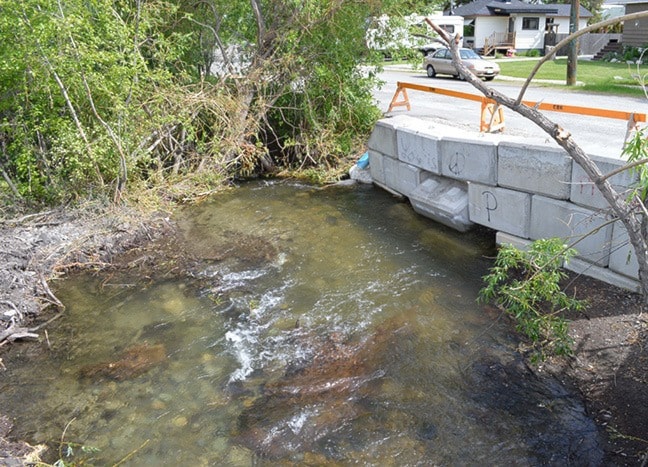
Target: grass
611,78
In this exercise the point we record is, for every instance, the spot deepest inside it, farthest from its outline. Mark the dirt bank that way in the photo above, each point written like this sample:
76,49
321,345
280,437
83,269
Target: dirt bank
37,249
610,369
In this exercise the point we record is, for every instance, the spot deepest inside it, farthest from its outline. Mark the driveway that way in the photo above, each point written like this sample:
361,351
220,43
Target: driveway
596,135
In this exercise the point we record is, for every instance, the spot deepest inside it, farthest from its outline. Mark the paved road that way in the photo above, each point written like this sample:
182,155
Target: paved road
601,136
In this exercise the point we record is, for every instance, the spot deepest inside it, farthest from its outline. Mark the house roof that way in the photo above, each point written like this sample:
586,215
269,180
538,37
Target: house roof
564,9
507,7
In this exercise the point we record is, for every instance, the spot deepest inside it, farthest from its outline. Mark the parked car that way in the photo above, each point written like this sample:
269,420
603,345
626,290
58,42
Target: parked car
428,49
440,62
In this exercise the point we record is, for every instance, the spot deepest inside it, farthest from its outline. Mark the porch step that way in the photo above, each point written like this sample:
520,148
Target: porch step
613,46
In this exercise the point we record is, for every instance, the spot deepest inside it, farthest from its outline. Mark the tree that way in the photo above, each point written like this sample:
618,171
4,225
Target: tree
79,82
630,209
98,95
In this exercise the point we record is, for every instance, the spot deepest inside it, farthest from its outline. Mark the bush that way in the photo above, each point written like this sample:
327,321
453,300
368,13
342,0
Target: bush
627,54
526,285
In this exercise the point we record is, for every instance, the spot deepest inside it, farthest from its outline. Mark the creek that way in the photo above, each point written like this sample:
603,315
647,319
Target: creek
321,327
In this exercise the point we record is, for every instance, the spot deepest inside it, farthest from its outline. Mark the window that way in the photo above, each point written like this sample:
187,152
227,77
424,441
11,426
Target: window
530,24
443,53
449,28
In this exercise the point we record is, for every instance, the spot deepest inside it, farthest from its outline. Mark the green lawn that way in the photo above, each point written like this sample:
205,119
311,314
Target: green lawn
613,78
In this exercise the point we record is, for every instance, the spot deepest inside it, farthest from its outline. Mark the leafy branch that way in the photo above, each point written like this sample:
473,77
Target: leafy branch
526,285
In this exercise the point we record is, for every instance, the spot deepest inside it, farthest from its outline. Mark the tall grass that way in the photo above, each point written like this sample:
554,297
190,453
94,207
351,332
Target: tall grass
605,77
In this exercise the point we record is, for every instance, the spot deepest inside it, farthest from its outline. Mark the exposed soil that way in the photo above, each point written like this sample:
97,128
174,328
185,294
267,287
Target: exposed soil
609,370
610,367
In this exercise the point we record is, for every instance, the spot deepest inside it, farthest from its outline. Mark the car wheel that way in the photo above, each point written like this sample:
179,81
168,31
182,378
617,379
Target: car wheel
431,72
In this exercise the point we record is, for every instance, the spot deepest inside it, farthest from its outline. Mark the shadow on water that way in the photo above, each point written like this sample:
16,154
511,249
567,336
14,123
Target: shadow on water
320,327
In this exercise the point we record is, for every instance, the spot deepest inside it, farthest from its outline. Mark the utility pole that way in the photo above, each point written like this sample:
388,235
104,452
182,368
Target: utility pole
572,53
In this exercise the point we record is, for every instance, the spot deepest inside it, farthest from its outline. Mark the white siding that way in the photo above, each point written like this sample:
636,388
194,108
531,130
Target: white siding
524,39
487,25
563,23
529,39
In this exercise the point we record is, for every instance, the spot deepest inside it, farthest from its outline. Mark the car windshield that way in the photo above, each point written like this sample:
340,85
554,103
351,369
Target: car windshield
468,54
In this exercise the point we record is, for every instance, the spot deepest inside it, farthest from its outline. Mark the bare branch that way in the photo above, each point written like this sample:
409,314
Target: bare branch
624,168
121,182
635,223
261,28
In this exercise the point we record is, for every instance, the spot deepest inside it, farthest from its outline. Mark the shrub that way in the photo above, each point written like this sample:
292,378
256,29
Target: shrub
526,285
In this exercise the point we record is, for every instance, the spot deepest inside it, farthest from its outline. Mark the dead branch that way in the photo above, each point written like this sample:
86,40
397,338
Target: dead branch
49,295
14,332
46,323
5,175
28,217
79,265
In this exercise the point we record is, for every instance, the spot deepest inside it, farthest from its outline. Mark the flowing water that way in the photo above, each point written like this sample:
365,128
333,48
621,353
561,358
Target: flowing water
316,327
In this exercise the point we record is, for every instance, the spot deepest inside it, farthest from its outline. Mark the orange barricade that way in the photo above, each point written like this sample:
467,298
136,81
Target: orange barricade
492,116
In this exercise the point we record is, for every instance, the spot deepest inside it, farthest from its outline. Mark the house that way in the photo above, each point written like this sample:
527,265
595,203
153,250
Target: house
635,33
500,25
387,34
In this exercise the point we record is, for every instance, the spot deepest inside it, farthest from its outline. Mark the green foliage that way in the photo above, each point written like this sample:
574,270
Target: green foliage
526,284
636,149
532,53
100,94
596,75
70,74
627,54
594,6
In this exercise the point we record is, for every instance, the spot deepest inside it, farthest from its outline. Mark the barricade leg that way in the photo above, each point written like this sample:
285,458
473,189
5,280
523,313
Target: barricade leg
397,103
492,117
633,126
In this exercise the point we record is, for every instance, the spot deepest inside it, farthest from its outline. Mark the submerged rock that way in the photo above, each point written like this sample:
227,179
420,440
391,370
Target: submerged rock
134,361
251,250
316,397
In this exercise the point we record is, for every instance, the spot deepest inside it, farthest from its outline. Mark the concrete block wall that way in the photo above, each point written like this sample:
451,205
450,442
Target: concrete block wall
524,189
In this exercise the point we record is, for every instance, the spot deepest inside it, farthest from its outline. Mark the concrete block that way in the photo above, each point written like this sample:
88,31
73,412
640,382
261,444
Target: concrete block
503,238
603,274
472,159
534,169
556,218
443,200
376,166
500,209
418,145
383,138
576,265
622,256
402,177
585,193
360,175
